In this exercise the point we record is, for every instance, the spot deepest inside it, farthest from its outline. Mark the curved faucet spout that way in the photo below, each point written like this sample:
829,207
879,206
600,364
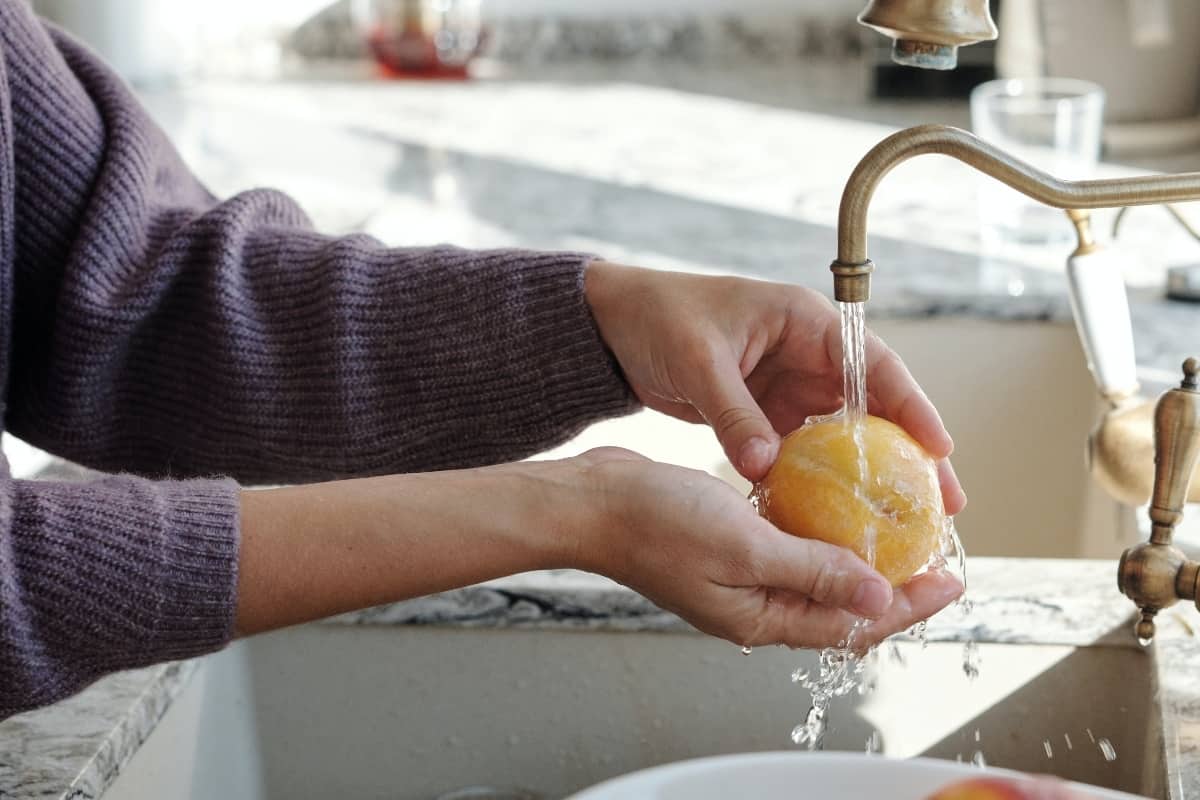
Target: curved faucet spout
852,269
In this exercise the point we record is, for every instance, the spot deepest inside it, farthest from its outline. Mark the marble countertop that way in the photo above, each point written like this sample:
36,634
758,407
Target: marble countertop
700,182
662,177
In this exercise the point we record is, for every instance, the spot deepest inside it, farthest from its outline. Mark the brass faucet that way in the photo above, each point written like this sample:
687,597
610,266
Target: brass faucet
1153,575
928,33
1156,574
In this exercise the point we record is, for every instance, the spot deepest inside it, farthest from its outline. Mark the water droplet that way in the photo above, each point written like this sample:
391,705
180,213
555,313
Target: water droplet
1049,750
1143,641
812,731
977,734
873,743
800,676
1106,747
970,664
978,759
1089,733
1067,738
747,650
895,655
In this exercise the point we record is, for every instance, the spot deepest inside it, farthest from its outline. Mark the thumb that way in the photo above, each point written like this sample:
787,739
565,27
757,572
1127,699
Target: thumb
831,575
749,441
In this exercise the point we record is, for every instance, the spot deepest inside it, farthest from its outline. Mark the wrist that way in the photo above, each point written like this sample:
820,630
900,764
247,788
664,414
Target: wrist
600,290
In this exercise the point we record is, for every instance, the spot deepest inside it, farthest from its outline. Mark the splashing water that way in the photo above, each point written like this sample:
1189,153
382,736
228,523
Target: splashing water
873,743
978,760
840,669
919,632
839,672
970,664
1106,747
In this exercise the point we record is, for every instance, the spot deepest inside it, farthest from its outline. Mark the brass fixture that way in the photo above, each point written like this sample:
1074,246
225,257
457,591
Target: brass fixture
852,269
1156,574
928,33
1172,210
1153,575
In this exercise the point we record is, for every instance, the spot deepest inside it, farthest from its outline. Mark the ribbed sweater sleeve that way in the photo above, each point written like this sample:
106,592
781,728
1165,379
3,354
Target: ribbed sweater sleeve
147,328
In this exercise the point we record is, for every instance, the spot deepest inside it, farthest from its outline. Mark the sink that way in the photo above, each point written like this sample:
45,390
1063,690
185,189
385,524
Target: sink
419,711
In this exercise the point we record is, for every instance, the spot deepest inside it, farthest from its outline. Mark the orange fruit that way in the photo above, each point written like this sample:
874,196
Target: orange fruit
815,490
990,789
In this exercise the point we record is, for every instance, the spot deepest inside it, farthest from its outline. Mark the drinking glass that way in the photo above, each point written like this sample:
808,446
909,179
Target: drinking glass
1054,124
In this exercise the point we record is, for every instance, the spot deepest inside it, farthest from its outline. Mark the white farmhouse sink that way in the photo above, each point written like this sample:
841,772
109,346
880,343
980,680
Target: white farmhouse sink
415,712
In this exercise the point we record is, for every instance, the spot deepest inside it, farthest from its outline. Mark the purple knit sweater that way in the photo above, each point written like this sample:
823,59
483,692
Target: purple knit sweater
149,330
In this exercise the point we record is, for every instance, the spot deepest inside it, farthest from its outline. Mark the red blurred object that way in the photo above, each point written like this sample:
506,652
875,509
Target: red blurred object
424,39
410,55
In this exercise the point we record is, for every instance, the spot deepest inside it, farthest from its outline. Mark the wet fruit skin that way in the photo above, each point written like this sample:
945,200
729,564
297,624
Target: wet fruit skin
814,490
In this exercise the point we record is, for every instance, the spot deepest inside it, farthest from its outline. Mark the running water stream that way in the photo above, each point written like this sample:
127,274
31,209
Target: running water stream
840,669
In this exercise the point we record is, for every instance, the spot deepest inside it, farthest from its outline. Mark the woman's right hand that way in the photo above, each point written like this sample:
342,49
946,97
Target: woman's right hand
693,545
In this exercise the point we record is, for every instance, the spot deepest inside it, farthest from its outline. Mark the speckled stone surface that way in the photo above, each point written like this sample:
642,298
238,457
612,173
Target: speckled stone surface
74,750
702,183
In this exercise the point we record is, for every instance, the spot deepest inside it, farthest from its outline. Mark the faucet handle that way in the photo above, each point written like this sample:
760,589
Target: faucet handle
1176,447
1100,306
1156,573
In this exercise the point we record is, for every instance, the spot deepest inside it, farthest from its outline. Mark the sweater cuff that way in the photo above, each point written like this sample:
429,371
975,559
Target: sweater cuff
198,567
581,381
112,574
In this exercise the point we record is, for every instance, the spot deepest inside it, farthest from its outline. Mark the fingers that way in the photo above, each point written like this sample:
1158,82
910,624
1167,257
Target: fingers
953,496
903,400
796,621
723,399
831,576
920,598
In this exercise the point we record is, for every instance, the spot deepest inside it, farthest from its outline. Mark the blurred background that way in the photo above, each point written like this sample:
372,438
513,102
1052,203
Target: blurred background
809,54
716,136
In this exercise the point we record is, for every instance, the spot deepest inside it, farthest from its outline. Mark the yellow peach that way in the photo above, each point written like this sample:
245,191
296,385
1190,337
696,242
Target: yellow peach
891,517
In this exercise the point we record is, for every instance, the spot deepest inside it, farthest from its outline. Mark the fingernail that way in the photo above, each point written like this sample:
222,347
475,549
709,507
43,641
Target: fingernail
872,598
755,455
951,476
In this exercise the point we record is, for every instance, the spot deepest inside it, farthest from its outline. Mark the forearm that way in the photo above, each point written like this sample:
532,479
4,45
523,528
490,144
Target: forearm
157,330
312,551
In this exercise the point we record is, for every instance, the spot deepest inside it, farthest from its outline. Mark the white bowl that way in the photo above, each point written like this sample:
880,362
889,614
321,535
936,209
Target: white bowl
799,776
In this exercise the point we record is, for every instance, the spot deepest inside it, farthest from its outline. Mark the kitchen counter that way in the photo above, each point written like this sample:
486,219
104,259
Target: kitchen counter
700,182
666,179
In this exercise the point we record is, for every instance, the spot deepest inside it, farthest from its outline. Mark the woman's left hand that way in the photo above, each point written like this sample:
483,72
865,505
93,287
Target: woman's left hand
752,359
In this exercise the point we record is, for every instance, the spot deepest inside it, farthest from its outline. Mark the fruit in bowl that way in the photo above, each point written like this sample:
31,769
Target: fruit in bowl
1005,789
882,500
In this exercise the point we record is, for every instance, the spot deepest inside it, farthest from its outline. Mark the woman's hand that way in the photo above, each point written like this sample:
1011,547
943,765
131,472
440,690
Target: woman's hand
752,359
695,546
688,541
